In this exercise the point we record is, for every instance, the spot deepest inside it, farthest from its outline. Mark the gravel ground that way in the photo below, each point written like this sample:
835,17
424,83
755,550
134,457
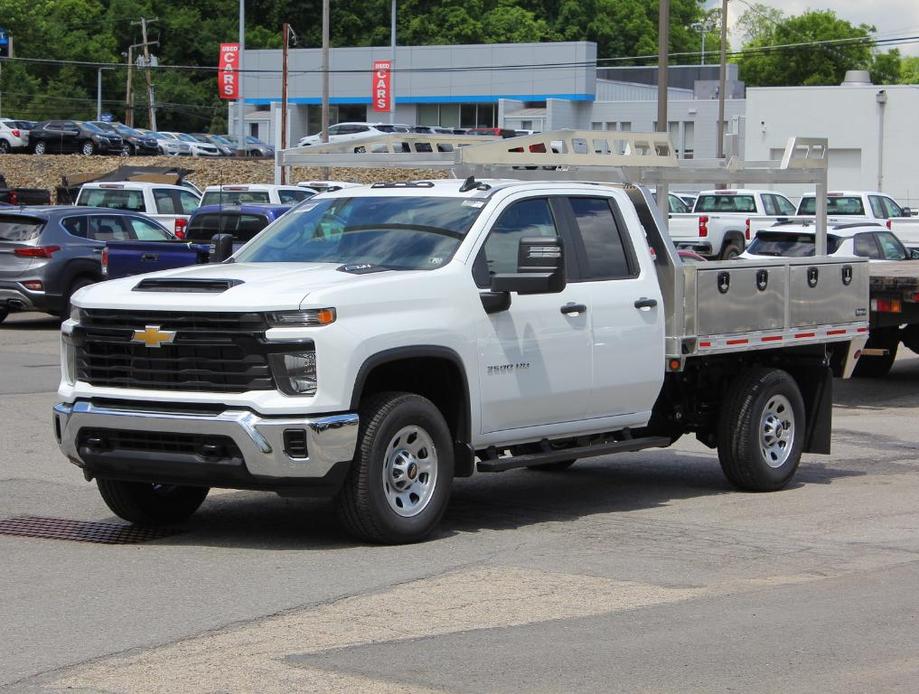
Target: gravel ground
30,171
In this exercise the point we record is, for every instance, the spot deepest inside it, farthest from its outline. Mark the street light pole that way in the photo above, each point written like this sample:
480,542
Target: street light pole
326,172
392,65
721,78
240,104
286,31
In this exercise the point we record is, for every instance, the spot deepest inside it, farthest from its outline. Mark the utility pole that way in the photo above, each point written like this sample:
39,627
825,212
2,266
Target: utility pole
663,63
241,103
129,94
721,78
392,65
151,106
285,30
326,172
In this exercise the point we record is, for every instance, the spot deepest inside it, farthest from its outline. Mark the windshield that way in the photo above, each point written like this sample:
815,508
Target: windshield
786,244
131,132
93,128
841,205
725,203
400,233
187,138
234,197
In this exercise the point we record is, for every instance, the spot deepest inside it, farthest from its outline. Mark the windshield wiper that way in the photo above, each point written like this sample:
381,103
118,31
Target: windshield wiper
409,227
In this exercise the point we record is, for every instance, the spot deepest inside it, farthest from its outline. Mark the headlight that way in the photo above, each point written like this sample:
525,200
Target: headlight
308,318
75,314
296,372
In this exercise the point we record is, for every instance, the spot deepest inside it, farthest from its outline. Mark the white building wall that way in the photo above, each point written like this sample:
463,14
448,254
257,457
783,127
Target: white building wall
850,117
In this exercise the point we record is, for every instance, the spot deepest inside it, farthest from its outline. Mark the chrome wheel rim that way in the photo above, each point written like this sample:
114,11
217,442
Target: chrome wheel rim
777,431
87,149
410,471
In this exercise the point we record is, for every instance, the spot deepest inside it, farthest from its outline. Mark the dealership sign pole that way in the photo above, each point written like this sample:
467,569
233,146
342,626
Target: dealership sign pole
381,86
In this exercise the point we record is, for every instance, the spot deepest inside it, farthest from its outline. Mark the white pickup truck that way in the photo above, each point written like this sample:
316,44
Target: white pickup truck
851,206
377,342
720,223
170,205
267,193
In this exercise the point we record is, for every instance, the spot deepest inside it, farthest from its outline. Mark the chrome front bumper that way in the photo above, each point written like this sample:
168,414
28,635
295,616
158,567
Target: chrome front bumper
330,439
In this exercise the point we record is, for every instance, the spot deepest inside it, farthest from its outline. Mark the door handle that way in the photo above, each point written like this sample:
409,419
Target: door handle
149,256
573,309
97,251
645,303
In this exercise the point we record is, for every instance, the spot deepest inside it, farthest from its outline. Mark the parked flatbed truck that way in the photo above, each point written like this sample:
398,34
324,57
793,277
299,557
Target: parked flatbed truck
377,342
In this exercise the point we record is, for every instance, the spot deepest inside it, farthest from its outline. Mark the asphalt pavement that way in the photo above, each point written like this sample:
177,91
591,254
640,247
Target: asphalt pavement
640,572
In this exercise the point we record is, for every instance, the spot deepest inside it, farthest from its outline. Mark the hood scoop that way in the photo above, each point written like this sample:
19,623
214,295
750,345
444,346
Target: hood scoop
190,285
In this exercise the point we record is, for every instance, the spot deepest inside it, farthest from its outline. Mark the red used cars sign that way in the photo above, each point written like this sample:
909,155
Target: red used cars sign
228,71
381,85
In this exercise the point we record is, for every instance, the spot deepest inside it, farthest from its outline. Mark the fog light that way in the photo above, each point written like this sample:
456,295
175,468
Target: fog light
296,372
34,285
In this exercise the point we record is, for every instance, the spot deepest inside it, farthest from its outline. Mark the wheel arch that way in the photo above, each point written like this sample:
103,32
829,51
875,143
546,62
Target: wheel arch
734,236
433,371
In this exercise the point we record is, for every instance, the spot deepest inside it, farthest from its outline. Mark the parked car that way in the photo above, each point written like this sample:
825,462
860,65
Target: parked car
859,240
197,147
499,132
851,206
14,136
242,222
431,130
168,146
48,253
345,132
170,205
255,193
254,146
138,143
226,149
327,186
721,221
62,136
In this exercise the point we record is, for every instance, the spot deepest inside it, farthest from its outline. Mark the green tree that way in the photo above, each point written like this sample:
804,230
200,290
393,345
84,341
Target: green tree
909,70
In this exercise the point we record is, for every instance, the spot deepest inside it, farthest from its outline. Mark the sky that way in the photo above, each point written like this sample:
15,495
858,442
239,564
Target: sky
891,17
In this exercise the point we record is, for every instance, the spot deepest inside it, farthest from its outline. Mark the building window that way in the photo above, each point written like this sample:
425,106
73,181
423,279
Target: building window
596,126
263,107
428,114
625,126
689,138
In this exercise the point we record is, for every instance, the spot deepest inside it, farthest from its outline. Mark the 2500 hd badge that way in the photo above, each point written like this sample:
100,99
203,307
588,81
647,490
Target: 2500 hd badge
507,368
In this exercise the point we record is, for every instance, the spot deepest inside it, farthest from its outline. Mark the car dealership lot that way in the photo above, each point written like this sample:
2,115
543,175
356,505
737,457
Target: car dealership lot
640,571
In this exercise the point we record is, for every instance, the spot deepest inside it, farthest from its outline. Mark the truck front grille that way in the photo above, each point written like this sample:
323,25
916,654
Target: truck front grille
218,447
213,352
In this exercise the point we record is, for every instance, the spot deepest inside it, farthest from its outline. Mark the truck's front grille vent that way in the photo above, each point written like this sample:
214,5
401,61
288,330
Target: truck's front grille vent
213,352
208,447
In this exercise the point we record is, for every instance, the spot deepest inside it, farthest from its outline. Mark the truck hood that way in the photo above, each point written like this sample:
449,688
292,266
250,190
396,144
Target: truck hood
261,287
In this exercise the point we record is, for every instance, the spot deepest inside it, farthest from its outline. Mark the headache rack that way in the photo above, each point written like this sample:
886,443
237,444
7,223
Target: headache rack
699,315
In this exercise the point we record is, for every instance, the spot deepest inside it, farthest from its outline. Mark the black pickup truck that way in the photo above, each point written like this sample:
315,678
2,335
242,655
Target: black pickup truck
23,196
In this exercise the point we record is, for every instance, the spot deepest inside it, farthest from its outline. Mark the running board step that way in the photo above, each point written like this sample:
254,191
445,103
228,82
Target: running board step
511,462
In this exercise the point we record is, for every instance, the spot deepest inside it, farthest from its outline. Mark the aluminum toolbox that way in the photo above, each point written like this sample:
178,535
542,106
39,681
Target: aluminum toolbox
741,296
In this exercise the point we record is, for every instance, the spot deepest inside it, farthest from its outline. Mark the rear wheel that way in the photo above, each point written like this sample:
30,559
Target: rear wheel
145,503
732,250
3,314
399,483
78,284
878,366
4,147
761,430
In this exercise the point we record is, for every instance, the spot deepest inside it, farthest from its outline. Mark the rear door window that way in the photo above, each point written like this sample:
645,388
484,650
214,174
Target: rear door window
105,227
726,203
165,201
112,198
20,228
770,206
605,251
866,246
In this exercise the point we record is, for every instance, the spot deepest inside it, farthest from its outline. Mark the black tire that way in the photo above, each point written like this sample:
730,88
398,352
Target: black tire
742,430
78,284
4,147
731,251
878,367
87,148
3,314
39,148
363,506
144,503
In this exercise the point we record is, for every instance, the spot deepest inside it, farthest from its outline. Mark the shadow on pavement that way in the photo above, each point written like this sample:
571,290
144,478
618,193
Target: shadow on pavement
900,388
486,502
30,321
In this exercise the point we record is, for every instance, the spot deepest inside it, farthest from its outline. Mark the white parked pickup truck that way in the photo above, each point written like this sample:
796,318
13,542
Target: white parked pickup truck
377,342
846,207
720,223
170,205
238,194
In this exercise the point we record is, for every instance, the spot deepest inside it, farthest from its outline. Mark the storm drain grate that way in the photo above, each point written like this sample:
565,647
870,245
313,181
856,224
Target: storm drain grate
81,531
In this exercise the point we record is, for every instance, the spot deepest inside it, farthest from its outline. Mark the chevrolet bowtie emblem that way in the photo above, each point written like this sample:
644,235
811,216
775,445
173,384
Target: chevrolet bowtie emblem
152,336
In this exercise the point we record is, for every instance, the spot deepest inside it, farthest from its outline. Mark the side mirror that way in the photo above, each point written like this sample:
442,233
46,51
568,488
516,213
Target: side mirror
540,268
221,248
906,212
914,253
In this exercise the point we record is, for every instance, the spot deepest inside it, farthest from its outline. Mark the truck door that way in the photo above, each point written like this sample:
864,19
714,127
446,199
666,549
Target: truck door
625,309
534,358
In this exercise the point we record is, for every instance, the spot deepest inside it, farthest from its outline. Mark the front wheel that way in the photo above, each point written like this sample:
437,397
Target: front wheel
145,503
4,147
761,430
399,483
87,148
39,148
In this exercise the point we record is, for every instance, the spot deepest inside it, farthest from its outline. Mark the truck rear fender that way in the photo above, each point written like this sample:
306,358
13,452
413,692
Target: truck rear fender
735,237
432,371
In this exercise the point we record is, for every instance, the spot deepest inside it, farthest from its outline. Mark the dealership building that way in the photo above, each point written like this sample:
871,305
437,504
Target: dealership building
530,86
